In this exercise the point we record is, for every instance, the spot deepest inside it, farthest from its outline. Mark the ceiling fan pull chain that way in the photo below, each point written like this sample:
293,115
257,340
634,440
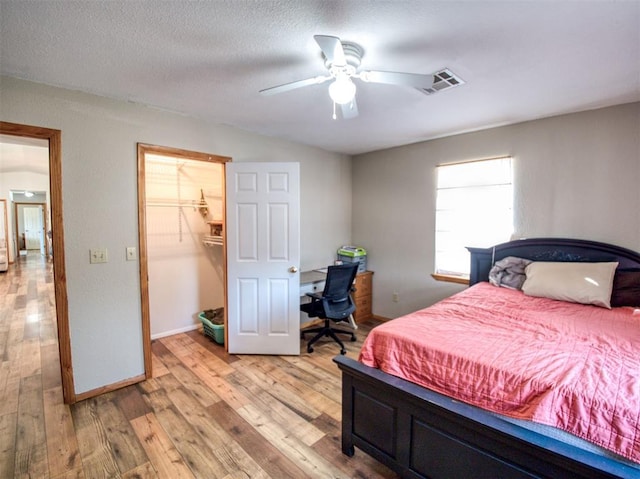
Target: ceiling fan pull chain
334,110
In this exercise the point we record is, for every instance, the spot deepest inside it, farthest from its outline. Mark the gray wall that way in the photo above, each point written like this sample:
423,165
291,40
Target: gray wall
99,170
575,176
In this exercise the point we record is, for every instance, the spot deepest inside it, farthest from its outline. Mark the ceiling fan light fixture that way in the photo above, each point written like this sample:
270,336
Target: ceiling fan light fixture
342,90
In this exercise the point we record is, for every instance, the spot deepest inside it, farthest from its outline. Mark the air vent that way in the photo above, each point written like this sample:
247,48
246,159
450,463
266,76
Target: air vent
442,80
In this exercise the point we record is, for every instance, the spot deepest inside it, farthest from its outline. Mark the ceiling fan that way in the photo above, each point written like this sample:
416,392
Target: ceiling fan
342,59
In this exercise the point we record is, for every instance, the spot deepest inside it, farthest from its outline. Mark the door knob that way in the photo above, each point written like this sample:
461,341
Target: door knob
293,269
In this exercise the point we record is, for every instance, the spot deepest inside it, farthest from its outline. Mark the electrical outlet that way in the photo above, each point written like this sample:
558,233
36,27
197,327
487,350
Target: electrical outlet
396,297
98,256
131,253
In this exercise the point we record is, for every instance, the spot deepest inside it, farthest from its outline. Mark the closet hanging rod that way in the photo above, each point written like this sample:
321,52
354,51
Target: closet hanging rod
191,203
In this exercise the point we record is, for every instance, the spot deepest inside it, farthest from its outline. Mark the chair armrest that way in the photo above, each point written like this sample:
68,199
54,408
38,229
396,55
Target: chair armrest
315,295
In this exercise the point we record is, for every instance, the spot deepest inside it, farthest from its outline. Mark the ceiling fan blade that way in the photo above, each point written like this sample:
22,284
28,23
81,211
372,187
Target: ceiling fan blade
294,85
414,80
332,49
349,110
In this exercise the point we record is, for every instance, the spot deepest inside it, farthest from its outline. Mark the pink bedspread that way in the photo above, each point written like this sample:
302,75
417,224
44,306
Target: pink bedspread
567,365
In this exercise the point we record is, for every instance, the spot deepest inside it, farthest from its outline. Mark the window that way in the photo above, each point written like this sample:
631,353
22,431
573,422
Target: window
474,207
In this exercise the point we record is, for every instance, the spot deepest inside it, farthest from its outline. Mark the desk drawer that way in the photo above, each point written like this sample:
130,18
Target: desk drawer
363,296
311,288
363,310
363,284
363,304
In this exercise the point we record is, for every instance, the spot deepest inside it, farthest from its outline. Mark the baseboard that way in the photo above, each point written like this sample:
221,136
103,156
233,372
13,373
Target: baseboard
174,331
108,388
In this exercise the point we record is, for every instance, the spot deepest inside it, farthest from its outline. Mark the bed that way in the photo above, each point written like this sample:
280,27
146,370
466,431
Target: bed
421,433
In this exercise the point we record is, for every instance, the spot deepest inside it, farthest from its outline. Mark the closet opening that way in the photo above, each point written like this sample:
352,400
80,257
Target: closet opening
182,239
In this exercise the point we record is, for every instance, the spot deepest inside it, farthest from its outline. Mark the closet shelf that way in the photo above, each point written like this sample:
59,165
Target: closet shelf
215,227
209,240
173,203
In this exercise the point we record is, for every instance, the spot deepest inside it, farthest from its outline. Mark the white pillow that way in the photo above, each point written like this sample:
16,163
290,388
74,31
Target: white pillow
586,283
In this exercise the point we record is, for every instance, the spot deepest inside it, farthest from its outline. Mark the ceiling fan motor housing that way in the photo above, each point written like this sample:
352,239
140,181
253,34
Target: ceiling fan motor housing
353,57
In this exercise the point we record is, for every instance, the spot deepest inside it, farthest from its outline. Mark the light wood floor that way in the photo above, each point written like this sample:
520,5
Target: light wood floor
205,414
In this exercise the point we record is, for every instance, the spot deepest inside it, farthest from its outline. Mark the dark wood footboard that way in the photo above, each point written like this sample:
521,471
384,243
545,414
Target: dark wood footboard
422,434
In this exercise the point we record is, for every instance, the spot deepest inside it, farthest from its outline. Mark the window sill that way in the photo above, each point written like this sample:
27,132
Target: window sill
450,278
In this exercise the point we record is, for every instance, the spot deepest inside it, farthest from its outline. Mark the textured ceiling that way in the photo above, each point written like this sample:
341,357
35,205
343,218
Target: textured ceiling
19,154
521,60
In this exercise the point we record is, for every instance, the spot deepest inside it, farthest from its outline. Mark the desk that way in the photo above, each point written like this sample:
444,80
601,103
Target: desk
311,282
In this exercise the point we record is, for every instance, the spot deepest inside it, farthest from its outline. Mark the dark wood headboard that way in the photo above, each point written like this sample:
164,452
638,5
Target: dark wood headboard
549,249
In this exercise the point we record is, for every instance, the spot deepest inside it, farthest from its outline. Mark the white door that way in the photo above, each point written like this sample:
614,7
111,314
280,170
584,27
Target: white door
32,227
263,256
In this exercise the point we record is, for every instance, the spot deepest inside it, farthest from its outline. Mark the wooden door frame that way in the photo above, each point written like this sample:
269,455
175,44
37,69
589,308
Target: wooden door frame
143,150
54,137
45,223
6,226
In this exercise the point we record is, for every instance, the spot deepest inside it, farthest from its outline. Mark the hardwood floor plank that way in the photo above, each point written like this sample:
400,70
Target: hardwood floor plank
74,474
248,375
8,424
297,388
14,339
164,354
62,445
267,456
31,462
162,453
178,366
226,449
187,347
20,302
280,412
4,342
30,414
326,384
221,366
205,414
157,366
148,386
131,402
144,471
124,444
31,330
330,446
95,450
198,389
223,388
194,450
211,346
361,467
48,332
304,456
9,387
30,357
50,364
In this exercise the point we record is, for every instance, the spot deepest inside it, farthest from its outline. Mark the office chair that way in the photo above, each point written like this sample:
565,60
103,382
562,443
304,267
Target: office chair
333,304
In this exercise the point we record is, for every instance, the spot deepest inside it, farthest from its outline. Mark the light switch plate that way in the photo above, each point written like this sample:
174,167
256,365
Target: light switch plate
98,255
131,253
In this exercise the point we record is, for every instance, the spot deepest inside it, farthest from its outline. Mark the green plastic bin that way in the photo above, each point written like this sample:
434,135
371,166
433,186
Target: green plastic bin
214,331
